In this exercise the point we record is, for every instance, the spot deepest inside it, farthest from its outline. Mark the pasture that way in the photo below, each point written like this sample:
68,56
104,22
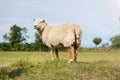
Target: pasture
94,65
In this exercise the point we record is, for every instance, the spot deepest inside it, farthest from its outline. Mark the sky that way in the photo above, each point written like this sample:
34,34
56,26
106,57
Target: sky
97,18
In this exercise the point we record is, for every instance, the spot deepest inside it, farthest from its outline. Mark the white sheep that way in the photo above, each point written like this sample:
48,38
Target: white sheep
67,35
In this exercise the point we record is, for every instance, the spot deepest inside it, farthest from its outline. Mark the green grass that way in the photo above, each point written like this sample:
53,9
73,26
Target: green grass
7,58
38,66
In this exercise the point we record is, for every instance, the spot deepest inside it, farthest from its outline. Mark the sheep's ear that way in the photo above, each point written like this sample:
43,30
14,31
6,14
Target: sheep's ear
44,20
33,19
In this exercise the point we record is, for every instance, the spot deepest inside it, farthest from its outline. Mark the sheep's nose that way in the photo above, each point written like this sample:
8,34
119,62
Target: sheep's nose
35,26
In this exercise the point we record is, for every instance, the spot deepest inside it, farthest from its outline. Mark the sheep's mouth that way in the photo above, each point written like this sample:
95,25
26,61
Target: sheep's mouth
35,27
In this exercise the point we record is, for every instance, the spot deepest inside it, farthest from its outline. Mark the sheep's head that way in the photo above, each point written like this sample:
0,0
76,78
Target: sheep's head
39,24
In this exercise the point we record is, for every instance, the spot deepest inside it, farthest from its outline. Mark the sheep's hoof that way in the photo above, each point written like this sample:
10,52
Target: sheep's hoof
70,61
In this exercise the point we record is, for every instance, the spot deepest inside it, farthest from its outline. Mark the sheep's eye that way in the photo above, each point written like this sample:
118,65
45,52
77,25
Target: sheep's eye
40,24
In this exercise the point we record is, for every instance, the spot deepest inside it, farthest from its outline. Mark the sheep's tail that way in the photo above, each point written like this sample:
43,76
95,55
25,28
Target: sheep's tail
78,35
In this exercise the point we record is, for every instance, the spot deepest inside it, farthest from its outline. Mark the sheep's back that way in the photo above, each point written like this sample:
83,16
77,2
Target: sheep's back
61,34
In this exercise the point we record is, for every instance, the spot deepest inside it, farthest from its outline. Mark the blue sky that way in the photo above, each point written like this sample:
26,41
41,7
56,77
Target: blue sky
97,18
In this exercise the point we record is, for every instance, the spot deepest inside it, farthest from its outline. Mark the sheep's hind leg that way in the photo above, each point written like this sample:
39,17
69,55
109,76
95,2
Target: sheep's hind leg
75,54
71,54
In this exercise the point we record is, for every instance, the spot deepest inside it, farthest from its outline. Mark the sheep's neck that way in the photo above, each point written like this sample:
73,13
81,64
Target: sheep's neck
42,29
46,30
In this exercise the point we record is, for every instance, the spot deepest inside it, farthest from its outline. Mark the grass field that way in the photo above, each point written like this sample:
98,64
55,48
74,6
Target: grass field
37,65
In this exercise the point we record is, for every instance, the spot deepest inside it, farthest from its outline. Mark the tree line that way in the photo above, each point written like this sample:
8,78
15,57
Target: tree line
115,41
15,40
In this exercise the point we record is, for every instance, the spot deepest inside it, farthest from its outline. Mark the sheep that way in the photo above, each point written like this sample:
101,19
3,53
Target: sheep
67,35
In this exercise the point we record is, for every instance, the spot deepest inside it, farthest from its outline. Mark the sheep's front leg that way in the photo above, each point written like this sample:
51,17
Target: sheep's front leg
56,52
71,54
52,53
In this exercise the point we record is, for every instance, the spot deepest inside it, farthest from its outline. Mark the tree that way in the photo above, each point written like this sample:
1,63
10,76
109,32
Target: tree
39,46
6,37
115,41
97,41
5,46
16,35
